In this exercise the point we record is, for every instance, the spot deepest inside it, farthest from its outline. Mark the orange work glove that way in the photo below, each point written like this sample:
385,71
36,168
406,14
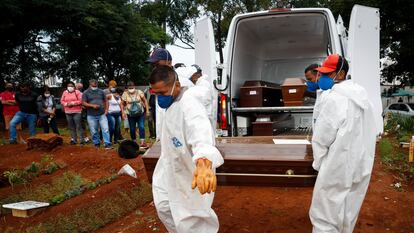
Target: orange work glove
204,177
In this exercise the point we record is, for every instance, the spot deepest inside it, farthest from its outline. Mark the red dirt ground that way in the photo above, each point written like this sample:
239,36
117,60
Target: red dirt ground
240,209
279,209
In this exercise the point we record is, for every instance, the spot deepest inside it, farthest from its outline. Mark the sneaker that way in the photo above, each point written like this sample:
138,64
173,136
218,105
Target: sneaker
108,147
13,142
86,140
97,145
73,142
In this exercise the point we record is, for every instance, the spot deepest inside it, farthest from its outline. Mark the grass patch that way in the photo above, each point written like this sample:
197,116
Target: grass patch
22,176
395,159
46,192
95,215
62,188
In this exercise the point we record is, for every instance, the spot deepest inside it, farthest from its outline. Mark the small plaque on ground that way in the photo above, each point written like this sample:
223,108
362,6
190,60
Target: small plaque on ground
26,208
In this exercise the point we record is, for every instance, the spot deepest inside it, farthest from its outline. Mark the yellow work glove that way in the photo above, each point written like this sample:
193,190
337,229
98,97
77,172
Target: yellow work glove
204,177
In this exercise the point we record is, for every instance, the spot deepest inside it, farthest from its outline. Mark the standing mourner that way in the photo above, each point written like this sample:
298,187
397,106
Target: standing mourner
188,159
111,84
343,145
10,108
115,112
46,105
135,108
94,99
27,101
79,87
71,101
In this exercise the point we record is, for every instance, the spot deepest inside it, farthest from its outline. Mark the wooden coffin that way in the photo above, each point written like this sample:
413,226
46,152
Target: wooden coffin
262,128
260,94
293,91
256,164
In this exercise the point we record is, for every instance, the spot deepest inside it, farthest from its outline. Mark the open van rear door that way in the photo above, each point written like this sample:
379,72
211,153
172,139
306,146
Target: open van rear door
343,37
364,57
205,55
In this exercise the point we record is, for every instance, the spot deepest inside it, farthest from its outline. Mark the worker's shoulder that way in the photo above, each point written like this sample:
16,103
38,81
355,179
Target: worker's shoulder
189,98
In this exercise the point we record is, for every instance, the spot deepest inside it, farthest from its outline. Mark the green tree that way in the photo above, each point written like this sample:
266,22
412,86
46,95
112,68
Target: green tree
76,39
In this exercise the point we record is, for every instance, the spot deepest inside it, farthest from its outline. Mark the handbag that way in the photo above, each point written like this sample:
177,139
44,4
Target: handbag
135,109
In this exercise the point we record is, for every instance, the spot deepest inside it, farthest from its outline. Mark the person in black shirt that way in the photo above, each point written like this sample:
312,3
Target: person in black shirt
26,99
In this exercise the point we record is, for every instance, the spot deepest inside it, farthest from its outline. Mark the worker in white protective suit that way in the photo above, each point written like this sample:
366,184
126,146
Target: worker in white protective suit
343,148
162,57
200,88
188,159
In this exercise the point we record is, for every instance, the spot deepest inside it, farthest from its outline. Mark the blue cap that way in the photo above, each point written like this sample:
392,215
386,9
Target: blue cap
159,54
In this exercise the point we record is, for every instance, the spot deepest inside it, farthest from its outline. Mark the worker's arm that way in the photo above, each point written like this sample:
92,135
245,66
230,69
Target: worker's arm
199,134
201,140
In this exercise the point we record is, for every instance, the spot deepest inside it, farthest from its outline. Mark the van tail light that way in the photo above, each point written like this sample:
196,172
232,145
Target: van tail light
223,111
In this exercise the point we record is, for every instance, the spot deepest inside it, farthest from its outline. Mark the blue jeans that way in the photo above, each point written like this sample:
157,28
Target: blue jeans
132,121
94,122
19,117
114,123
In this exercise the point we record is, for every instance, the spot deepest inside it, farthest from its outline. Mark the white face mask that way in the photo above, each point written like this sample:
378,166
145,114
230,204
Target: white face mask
70,89
47,95
94,88
131,90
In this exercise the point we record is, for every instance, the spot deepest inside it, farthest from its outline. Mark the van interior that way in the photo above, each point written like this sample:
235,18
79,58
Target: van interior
274,47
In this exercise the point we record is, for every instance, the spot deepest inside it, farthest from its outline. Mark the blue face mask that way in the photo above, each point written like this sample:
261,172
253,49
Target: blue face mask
325,82
312,86
165,101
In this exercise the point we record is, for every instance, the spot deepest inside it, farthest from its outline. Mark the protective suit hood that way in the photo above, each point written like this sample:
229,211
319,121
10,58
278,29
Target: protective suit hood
354,92
184,75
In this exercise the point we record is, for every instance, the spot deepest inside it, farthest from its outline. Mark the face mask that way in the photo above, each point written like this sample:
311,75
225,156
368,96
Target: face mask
94,88
113,90
166,101
131,90
312,86
325,82
71,89
47,95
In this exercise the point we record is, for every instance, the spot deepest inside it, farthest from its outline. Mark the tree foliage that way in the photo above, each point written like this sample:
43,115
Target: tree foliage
75,39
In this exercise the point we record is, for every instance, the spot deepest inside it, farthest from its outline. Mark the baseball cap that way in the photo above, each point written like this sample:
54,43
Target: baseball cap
331,63
159,54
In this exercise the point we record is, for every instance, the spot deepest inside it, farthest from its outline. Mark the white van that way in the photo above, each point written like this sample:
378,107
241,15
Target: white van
280,43
271,46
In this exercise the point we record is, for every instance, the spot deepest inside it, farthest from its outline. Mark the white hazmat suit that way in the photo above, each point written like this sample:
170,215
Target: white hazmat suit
186,137
203,93
343,148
